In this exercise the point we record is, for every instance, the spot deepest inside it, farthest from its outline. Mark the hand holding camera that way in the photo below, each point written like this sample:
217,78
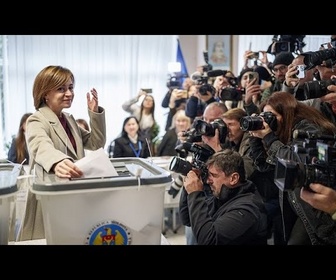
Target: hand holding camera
213,141
291,76
141,93
259,125
331,96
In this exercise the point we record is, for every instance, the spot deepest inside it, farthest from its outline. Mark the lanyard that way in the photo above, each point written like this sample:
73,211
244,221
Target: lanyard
137,153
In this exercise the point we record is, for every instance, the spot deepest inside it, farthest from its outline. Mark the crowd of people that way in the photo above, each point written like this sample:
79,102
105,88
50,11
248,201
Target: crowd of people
234,195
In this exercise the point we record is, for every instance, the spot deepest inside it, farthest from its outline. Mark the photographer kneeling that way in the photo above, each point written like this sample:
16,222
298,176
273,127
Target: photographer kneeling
235,204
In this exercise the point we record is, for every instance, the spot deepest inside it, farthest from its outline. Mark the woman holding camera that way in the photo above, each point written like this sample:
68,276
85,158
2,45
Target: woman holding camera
302,223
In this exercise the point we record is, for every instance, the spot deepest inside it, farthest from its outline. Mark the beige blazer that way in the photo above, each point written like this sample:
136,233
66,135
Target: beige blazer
48,144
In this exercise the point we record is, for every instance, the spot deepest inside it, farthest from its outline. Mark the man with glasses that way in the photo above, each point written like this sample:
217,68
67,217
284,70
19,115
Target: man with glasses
279,70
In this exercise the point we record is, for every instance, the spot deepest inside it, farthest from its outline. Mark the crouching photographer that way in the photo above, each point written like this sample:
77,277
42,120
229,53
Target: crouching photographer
303,225
234,214
200,127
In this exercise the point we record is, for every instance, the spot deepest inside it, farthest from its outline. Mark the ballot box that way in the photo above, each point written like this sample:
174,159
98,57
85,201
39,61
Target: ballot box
8,189
126,209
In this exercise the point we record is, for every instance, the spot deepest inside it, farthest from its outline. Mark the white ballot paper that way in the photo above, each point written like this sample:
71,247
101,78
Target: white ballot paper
96,164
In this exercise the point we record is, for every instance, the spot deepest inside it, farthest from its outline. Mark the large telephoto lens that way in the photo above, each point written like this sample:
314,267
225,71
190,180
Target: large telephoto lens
180,165
249,123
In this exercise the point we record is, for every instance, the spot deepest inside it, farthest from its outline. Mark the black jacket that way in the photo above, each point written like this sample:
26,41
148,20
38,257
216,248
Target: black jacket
122,148
238,217
168,144
318,227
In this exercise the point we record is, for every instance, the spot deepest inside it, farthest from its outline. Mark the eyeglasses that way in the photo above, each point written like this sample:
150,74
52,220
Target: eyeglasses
281,68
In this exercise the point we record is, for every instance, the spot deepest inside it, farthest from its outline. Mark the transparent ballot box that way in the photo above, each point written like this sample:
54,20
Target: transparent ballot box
126,209
8,189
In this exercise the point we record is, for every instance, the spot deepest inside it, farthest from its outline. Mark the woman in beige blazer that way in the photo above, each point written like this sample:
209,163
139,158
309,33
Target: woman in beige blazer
55,141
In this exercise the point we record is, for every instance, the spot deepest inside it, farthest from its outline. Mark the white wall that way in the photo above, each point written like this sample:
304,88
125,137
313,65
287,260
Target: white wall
193,46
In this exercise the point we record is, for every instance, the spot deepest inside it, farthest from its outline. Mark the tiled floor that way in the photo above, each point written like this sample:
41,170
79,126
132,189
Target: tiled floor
177,238
174,233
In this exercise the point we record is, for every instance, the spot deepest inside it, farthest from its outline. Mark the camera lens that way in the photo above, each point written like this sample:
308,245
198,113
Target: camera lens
179,165
249,123
207,130
316,89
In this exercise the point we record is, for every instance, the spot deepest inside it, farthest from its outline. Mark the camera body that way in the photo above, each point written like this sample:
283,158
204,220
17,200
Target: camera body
316,89
231,93
201,127
283,46
147,90
174,81
313,162
287,43
200,155
205,88
250,123
202,78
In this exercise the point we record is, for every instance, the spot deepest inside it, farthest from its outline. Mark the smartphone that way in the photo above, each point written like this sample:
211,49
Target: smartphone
254,55
253,75
300,71
148,90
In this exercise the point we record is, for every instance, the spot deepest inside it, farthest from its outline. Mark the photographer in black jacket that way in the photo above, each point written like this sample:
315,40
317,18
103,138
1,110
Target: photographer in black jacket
234,214
303,225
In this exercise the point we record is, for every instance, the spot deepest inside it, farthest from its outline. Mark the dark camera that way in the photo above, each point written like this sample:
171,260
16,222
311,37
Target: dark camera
199,158
283,46
312,59
314,163
287,43
316,89
231,93
147,90
201,127
204,89
207,67
199,79
174,82
250,123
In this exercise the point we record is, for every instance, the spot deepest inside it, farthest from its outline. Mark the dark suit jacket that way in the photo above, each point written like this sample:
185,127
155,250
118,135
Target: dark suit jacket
122,148
168,144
